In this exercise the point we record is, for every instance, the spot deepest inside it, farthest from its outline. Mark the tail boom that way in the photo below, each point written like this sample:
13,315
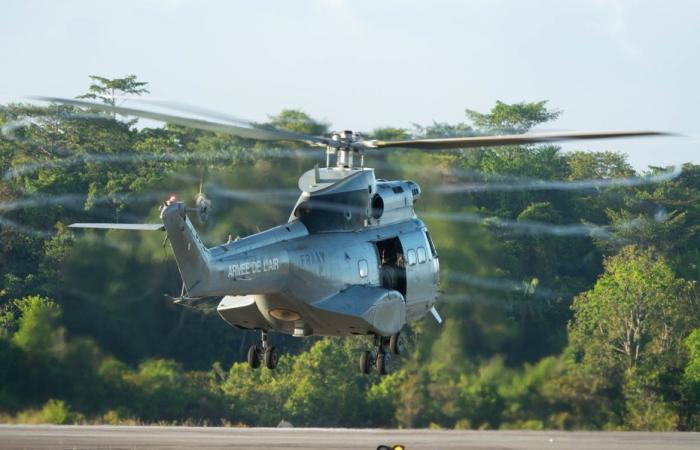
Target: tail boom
191,256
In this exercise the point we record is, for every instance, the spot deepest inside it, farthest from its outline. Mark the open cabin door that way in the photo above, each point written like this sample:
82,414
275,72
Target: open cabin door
392,269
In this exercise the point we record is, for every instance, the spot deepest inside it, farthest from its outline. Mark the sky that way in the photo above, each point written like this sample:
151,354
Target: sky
607,64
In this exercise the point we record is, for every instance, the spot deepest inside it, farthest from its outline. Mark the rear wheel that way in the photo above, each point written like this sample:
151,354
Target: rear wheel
365,361
383,363
396,344
271,357
254,356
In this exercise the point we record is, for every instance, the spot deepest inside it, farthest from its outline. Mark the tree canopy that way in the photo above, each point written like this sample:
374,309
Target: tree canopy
107,90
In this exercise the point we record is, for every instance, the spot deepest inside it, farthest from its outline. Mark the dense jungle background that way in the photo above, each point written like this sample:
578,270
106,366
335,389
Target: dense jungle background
568,279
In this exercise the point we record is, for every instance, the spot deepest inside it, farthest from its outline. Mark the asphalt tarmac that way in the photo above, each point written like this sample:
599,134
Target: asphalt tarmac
130,437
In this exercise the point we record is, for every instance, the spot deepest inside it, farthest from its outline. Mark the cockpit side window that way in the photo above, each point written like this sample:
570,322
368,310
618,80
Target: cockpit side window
430,243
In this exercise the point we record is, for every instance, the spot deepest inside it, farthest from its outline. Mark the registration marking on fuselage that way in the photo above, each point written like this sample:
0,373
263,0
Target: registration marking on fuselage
259,265
312,258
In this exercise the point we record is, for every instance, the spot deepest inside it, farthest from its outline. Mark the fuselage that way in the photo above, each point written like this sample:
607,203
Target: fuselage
353,259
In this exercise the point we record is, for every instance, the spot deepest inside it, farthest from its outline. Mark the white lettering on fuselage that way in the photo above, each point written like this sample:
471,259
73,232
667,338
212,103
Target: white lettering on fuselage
313,258
259,265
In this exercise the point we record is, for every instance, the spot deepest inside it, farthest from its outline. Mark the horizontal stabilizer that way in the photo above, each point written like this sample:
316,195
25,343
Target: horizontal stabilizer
121,226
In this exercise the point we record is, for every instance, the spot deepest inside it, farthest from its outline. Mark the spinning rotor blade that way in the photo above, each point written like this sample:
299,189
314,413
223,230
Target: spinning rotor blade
514,139
120,226
191,109
250,131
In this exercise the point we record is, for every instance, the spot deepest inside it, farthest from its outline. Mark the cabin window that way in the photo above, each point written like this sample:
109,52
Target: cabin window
411,257
363,268
421,255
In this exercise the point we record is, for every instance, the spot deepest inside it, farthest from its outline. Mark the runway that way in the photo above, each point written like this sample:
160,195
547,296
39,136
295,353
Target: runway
131,437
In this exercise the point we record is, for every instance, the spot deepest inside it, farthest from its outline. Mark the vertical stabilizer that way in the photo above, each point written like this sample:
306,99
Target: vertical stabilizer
190,254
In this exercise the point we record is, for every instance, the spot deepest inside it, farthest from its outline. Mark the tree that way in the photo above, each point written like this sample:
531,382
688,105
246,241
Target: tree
638,313
38,332
390,133
109,89
298,121
628,332
589,165
327,388
690,393
513,118
442,130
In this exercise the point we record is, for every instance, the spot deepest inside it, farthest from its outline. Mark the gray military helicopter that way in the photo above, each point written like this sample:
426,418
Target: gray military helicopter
353,258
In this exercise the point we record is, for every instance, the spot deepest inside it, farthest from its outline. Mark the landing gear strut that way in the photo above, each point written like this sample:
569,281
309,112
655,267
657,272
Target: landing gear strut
380,358
263,353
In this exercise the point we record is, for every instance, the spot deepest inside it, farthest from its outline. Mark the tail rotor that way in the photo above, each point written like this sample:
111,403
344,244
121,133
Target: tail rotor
203,204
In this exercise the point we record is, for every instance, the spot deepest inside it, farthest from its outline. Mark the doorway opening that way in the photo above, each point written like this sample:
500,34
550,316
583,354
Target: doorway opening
392,268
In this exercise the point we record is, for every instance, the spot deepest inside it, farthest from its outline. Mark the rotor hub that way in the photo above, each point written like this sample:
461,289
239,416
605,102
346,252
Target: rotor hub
345,148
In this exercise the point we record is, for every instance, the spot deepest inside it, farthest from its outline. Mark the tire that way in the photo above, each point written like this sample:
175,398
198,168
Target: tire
254,356
396,344
383,363
271,357
365,358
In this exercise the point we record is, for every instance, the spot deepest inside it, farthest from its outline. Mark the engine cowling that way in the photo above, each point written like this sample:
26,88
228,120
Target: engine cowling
394,200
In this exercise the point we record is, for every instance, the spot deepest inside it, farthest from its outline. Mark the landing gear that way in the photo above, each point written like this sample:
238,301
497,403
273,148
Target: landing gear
254,356
383,363
396,344
263,353
365,361
380,358
271,357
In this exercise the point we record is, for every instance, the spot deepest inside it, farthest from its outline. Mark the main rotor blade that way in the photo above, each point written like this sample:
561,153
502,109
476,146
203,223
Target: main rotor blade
120,226
515,139
192,109
251,132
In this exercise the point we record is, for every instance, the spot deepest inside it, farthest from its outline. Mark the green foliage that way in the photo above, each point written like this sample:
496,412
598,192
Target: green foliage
513,118
690,401
625,321
107,89
324,377
601,165
691,372
305,391
628,332
57,412
298,121
38,333
390,133
442,129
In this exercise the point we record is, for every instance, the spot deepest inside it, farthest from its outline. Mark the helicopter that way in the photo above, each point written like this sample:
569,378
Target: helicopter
353,259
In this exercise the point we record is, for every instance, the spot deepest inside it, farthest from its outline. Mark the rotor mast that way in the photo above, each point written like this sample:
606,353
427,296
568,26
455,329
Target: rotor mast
345,145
